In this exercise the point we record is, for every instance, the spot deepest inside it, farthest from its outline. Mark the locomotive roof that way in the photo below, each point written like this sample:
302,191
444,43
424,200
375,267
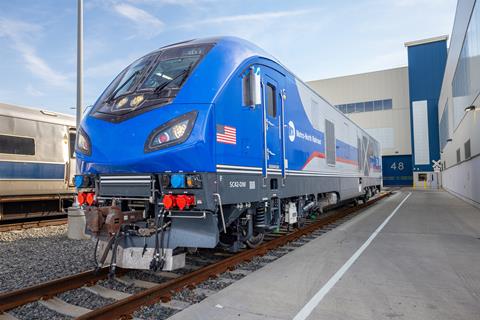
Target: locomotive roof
14,111
234,44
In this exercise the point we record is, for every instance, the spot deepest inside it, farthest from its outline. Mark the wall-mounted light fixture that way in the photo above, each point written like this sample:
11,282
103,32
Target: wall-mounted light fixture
470,108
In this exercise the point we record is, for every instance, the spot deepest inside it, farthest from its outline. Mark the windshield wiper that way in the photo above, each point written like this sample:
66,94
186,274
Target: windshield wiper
114,93
162,86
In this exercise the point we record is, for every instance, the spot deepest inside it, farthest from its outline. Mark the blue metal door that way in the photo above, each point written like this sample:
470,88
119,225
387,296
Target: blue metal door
273,83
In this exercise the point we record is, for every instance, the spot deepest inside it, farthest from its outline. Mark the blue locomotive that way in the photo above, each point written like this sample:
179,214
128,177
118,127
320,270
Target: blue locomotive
212,142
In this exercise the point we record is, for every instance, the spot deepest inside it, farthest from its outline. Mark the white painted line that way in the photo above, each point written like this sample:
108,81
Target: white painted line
318,297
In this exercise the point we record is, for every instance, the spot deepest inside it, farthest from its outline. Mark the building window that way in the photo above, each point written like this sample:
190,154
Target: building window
387,104
466,83
359,107
366,106
459,158
468,152
444,134
378,105
17,145
422,177
351,108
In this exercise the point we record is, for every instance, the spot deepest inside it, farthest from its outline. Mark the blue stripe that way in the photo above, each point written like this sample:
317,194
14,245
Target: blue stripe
31,170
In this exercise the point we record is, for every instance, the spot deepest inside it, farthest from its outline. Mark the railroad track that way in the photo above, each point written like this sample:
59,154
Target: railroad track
215,266
7,226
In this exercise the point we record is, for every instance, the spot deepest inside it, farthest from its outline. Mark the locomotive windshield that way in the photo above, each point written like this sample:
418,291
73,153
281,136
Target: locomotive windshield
149,82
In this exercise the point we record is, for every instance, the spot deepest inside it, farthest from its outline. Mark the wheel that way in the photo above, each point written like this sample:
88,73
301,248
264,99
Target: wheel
255,240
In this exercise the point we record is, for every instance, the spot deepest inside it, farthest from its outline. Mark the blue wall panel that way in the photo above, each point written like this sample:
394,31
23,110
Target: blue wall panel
397,170
31,170
426,66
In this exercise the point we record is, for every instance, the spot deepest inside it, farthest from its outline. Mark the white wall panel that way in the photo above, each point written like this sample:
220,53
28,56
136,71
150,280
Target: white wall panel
384,135
420,132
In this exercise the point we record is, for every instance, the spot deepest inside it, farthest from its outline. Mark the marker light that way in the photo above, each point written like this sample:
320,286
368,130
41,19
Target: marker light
163,137
81,197
194,181
181,202
90,198
168,201
177,181
78,181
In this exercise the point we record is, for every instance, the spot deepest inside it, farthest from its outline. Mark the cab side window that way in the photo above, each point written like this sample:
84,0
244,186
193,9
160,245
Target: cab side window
271,101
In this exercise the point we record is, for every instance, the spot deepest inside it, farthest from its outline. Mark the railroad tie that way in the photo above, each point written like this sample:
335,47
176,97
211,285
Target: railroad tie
63,307
136,282
7,316
107,293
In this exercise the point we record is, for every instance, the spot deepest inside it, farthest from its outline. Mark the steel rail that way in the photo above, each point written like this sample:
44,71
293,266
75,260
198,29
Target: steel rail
13,299
32,224
163,292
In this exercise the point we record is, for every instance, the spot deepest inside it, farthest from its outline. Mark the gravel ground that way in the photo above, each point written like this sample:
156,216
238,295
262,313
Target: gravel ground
84,298
188,296
234,276
214,284
115,285
34,311
41,254
147,275
155,312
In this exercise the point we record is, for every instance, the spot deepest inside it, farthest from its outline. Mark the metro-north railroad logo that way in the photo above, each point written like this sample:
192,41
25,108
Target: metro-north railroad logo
291,131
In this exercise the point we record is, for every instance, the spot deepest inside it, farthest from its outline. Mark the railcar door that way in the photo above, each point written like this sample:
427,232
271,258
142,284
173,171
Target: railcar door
273,85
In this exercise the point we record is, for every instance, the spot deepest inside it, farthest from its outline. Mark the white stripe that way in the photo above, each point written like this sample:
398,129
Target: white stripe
237,167
123,177
317,298
226,138
237,171
125,181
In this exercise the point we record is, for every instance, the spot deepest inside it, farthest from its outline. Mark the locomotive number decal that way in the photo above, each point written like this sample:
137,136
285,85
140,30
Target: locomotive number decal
238,184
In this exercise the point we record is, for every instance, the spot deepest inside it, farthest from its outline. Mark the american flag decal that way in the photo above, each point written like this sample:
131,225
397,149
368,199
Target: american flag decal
226,134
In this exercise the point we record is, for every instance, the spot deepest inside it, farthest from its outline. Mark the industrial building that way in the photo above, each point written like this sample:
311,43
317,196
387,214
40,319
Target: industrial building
399,107
425,113
459,106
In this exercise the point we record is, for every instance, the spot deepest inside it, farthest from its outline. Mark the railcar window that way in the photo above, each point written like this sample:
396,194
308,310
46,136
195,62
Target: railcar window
72,138
17,145
271,100
246,101
468,151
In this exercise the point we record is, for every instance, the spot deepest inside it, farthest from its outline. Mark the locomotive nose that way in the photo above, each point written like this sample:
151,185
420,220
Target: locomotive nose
155,141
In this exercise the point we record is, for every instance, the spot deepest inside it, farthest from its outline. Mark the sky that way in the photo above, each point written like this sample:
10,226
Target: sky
314,39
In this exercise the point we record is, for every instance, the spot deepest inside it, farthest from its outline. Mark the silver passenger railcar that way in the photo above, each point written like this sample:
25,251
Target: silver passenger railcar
37,162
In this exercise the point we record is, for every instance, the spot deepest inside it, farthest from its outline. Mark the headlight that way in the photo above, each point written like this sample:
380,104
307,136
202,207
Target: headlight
171,133
83,142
